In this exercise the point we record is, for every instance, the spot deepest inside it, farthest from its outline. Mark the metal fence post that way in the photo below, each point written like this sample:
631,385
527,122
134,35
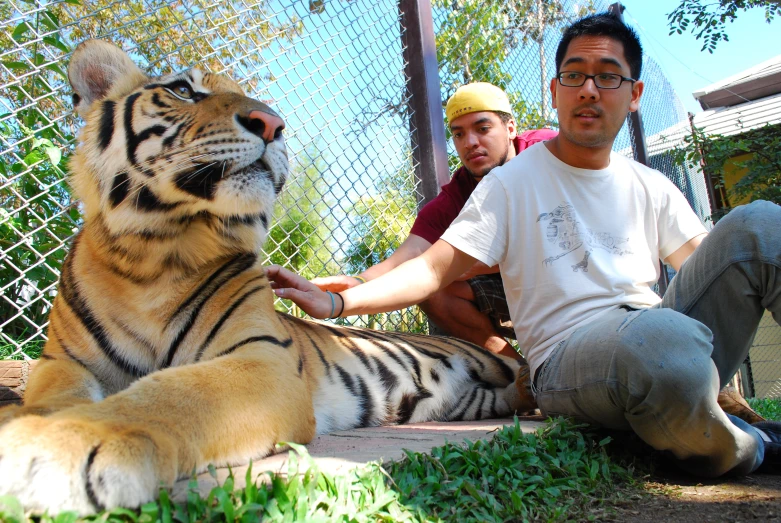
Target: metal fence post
427,132
715,203
635,122
635,118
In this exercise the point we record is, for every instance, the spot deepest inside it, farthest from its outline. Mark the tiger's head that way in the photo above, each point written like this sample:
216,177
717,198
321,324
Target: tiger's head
160,155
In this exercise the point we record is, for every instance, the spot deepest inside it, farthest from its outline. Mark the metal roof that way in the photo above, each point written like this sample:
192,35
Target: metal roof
766,68
754,83
726,121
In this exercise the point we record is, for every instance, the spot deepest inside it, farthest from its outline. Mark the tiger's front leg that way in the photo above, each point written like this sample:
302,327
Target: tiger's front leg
118,452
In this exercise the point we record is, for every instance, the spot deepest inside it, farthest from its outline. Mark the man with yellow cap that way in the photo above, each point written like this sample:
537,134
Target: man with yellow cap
485,136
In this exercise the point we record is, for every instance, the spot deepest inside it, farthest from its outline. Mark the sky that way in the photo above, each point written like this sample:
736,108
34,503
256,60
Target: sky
751,41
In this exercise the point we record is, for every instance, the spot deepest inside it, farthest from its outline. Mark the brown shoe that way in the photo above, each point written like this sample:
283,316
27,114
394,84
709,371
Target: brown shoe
733,403
524,386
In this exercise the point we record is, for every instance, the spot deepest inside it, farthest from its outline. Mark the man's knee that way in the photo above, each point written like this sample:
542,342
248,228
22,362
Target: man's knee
758,219
661,348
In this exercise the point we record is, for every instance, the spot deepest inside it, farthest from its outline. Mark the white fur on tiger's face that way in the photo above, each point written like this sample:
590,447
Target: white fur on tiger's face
164,351
157,153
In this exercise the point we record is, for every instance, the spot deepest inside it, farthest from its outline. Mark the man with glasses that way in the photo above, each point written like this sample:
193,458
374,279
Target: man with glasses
577,231
474,307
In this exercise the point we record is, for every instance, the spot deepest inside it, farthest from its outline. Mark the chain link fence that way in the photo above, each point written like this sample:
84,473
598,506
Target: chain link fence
763,369
334,69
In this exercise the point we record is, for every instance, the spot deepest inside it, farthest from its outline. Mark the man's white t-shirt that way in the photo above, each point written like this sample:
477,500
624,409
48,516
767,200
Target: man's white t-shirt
572,244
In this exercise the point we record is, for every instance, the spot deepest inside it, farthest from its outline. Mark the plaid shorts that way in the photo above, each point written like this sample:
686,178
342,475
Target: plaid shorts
491,301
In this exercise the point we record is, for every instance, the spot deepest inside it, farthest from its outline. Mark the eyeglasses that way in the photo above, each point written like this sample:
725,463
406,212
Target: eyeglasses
602,80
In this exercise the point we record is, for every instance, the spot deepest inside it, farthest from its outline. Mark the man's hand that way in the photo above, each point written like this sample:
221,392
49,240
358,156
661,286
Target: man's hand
336,283
307,295
477,269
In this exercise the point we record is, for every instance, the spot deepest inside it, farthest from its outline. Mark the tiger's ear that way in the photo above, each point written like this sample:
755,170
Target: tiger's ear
96,68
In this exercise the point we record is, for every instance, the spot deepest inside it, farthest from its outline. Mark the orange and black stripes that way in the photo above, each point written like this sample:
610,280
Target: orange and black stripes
71,295
193,305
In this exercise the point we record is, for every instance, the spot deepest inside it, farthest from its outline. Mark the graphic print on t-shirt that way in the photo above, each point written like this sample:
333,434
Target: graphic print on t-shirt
568,234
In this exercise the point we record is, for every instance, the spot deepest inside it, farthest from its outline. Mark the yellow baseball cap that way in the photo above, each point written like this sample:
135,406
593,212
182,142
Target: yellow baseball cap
476,97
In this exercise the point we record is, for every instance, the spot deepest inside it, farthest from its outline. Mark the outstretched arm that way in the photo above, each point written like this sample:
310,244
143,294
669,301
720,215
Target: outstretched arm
411,247
410,283
478,269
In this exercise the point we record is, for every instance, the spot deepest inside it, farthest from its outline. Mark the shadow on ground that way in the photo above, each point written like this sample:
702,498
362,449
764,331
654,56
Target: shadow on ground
674,496
677,499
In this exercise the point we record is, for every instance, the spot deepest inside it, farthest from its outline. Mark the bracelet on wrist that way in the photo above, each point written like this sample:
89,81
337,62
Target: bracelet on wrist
360,279
341,309
333,304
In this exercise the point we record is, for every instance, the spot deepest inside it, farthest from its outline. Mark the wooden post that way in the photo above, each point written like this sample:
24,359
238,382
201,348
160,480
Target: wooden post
639,151
427,130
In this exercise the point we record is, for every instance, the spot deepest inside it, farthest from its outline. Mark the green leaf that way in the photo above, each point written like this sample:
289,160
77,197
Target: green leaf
594,470
55,41
123,512
50,20
11,509
151,510
250,512
225,504
16,66
165,507
57,69
72,517
33,157
19,31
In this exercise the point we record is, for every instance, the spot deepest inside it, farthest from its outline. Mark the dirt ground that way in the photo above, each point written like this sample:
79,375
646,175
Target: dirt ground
668,494
678,498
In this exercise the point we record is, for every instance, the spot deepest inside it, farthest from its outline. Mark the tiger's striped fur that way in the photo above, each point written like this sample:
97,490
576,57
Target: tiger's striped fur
164,351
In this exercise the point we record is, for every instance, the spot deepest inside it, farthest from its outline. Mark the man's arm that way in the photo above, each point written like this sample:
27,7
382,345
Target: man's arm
479,268
412,247
677,258
411,282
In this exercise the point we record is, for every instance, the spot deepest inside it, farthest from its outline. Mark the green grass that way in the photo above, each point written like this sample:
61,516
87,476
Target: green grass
767,408
558,473
9,351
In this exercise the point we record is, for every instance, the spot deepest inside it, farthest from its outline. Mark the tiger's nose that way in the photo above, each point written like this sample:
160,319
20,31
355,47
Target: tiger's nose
262,124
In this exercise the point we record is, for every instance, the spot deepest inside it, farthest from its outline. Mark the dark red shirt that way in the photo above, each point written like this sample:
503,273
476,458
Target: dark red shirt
437,215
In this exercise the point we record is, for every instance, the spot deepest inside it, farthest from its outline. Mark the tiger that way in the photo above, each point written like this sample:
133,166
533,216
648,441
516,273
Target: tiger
164,351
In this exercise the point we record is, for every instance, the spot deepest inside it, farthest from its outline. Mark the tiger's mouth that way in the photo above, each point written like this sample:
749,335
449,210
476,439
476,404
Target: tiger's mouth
260,163
202,179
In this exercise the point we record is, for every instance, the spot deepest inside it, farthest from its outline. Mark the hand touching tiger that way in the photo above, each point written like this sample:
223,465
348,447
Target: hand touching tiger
305,294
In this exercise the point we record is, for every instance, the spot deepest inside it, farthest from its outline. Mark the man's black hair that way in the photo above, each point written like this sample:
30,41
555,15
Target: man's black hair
504,117
604,24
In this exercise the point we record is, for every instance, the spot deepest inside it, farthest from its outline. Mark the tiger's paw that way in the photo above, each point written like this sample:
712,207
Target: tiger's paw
8,413
56,465
11,412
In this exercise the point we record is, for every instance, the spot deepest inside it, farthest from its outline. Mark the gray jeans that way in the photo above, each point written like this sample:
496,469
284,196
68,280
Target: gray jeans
658,371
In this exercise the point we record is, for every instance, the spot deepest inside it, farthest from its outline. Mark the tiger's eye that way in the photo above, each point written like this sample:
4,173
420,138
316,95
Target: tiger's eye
183,91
